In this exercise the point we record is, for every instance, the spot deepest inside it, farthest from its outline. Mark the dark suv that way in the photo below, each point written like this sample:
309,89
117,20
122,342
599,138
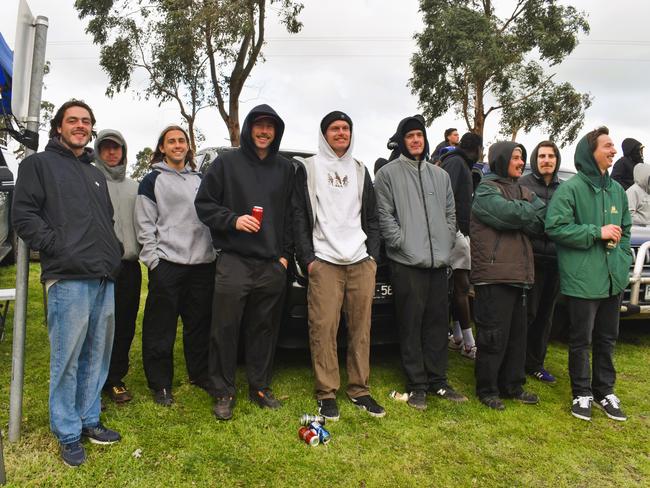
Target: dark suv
294,329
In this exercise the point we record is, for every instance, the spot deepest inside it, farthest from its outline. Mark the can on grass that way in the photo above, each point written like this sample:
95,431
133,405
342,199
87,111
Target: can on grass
307,419
309,436
323,434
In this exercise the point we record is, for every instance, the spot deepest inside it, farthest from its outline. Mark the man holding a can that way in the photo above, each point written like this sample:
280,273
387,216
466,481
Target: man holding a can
589,221
337,244
245,200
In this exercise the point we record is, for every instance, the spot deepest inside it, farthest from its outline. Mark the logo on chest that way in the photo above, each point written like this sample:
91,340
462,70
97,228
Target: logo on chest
337,181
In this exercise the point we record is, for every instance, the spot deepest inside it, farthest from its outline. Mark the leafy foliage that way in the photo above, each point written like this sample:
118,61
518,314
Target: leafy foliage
197,53
468,57
142,160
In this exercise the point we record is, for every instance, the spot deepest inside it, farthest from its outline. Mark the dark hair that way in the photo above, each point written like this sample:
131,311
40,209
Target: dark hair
592,137
449,131
57,120
158,155
471,141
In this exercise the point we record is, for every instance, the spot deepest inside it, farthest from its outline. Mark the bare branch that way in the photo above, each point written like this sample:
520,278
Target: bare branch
519,8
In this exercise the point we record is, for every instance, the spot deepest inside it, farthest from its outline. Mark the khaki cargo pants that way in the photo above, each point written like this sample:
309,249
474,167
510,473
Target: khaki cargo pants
333,288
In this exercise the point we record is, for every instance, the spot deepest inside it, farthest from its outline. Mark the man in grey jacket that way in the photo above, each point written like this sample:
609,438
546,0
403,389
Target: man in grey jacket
417,220
638,195
110,159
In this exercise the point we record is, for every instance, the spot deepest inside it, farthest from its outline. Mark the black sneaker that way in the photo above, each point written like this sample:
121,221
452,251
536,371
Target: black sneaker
265,399
100,434
328,408
581,407
448,393
611,405
223,408
417,399
73,454
493,402
526,397
163,397
368,403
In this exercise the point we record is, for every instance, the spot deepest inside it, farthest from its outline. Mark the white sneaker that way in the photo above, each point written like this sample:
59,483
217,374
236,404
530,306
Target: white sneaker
453,345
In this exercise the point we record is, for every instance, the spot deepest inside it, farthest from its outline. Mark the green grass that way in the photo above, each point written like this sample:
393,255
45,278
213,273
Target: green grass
447,445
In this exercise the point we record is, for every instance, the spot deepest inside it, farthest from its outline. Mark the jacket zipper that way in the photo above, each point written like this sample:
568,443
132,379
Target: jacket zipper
494,249
426,213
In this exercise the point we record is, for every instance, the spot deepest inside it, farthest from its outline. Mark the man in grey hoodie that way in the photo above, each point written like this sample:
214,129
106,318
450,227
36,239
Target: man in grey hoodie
638,195
110,159
417,219
177,249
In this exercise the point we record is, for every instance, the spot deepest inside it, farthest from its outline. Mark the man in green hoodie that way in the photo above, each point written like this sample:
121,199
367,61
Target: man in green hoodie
504,214
589,221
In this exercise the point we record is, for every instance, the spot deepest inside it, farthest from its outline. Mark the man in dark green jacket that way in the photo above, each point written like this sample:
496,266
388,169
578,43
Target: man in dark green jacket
589,221
503,215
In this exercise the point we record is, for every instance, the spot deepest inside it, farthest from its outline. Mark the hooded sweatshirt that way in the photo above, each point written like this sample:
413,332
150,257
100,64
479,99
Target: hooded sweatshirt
459,167
624,167
543,246
638,195
166,222
62,208
578,210
503,215
415,204
123,192
239,180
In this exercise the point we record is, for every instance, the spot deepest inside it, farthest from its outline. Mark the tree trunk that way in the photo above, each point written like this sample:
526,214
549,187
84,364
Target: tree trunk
233,120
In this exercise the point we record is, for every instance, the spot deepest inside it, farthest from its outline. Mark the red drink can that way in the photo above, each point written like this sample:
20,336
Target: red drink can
258,213
309,436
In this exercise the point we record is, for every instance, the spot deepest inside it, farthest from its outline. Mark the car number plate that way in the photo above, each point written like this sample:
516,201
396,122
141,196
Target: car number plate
383,291
647,293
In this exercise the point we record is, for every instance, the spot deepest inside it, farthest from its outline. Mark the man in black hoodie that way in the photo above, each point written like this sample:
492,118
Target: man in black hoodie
542,181
623,170
62,208
254,254
458,163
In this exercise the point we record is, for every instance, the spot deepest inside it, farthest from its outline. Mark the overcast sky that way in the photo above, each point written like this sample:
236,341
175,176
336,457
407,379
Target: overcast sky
353,55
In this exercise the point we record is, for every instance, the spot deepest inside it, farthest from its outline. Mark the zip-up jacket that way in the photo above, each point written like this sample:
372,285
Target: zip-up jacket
417,217
62,209
304,208
543,246
166,221
123,192
578,210
238,181
503,215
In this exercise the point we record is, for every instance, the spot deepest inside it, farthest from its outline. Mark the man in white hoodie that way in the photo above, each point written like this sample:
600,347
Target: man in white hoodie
638,195
337,244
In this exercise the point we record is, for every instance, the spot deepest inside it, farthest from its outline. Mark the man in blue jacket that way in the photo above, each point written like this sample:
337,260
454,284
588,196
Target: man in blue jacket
62,209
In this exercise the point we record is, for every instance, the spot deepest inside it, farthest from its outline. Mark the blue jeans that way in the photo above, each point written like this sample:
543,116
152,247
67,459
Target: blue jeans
81,321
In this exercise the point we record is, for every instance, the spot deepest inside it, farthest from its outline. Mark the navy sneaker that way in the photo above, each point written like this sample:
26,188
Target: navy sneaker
368,403
100,434
328,408
73,454
611,405
543,376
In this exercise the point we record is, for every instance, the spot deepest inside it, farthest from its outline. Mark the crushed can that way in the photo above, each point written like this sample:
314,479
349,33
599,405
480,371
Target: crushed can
323,434
309,436
307,419
400,397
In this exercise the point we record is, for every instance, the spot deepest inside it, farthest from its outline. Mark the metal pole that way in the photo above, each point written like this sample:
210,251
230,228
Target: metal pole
22,259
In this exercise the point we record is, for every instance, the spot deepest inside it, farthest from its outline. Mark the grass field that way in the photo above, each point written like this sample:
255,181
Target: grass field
447,445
